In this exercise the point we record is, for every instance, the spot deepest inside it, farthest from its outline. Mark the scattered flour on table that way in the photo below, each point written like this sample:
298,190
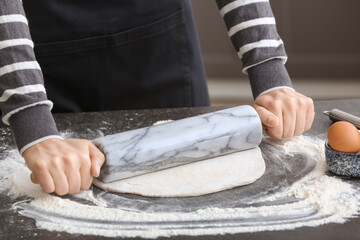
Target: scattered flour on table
162,122
322,199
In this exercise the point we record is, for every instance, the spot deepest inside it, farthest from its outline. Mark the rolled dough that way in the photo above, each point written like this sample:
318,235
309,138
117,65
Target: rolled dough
199,178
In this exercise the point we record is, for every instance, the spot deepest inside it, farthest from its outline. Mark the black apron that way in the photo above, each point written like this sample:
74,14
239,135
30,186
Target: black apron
110,54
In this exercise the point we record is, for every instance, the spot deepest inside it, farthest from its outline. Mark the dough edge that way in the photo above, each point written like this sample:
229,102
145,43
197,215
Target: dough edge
230,171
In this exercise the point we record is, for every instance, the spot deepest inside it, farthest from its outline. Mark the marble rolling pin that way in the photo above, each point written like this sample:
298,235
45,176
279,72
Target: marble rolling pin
179,142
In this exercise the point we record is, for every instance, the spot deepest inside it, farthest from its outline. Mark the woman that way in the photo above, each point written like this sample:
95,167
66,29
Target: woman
106,55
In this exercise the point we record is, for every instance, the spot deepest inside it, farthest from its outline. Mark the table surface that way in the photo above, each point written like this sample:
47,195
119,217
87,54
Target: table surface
15,226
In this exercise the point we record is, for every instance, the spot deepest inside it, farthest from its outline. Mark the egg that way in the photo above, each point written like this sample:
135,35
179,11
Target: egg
344,137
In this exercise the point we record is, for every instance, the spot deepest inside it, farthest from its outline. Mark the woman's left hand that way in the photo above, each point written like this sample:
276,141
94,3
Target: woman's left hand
285,113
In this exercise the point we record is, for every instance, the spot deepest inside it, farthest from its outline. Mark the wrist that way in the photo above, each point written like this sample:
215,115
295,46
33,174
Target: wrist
274,89
31,144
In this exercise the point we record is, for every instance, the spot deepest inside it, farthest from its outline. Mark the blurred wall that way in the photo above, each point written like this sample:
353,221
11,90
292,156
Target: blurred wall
322,38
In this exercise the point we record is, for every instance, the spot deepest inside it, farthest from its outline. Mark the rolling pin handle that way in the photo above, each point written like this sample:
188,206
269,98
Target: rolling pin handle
338,115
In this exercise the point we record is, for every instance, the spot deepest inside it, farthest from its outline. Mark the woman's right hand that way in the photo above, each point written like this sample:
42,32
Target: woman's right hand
64,166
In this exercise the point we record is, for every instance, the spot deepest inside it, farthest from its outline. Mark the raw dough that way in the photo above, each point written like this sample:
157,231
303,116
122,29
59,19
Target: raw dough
199,178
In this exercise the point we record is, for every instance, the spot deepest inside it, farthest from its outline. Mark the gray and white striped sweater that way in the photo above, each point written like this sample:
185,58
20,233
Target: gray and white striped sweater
23,101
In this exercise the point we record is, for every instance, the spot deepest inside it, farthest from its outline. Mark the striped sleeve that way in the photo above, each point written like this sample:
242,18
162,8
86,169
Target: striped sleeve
23,101
252,29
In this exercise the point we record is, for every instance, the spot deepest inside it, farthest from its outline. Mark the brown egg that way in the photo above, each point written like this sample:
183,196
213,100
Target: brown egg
344,137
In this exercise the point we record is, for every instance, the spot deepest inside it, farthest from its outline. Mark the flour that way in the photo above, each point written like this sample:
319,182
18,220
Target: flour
321,199
162,122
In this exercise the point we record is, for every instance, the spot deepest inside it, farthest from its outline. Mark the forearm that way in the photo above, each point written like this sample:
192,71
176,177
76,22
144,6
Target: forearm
23,101
252,30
